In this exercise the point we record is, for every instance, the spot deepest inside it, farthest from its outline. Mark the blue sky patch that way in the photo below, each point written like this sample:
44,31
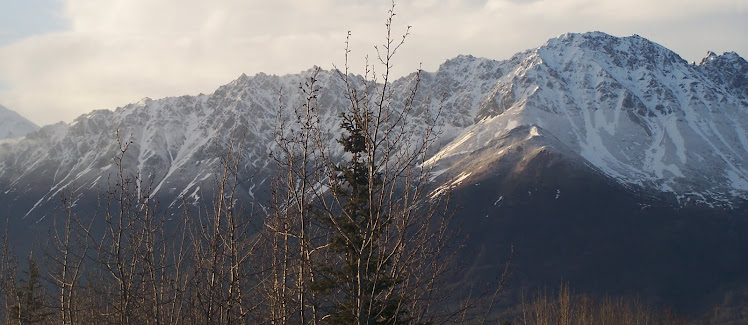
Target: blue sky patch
23,18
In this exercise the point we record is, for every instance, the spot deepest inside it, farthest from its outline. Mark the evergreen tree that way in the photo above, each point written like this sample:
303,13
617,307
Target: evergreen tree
358,239
357,276
30,308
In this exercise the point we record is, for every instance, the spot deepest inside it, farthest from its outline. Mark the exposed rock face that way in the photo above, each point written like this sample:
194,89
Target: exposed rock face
598,157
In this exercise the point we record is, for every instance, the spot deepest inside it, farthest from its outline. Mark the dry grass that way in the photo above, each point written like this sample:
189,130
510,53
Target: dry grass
567,308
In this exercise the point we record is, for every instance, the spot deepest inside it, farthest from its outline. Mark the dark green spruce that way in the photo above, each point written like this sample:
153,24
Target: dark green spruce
357,279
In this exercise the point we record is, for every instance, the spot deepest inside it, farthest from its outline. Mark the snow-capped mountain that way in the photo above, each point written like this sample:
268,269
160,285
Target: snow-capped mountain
175,143
13,125
628,108
608,162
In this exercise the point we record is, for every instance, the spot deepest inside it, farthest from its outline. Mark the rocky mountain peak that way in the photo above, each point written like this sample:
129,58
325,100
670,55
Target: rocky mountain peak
627,106
728,70
632,52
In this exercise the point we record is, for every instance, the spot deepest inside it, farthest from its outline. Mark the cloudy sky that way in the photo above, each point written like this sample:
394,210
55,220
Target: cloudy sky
63,58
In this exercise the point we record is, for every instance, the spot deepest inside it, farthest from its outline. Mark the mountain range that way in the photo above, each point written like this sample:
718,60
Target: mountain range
609,162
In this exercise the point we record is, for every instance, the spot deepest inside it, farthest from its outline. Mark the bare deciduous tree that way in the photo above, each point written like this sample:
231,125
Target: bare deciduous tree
222,245
65,255
356,239
353,238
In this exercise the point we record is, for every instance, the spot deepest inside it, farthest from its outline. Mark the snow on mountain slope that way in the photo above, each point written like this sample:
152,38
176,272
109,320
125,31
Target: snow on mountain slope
175,144
627,107
728,70
630,107
13,125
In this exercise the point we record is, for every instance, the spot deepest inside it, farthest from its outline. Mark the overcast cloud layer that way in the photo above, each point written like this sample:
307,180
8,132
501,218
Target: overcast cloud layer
113,52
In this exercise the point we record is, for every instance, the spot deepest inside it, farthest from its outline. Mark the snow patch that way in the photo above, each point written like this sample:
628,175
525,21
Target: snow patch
534,131
447,186
736,181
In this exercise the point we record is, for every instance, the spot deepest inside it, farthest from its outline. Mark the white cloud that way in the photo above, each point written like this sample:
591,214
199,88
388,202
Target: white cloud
118,51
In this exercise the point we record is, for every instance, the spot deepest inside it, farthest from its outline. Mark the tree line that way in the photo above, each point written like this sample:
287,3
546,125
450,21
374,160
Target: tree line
351,235
351,240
